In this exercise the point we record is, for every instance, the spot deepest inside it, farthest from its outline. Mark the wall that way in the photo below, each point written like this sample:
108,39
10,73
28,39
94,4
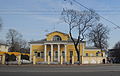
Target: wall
50,36
92,60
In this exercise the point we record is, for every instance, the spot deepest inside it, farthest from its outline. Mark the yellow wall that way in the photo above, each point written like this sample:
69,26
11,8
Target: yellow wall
72,48
93,52
50,36
37,48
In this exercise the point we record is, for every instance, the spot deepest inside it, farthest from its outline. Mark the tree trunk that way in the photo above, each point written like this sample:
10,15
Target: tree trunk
78,54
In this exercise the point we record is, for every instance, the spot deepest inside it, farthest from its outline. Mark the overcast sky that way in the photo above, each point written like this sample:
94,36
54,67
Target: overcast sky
35,18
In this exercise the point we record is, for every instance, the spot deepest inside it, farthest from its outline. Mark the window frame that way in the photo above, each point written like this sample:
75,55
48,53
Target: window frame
57,38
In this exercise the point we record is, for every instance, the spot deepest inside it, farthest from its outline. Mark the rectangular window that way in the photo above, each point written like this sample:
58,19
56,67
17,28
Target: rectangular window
96,54
49,53
71,54
38,54
63,54
42,54
86,54
56,54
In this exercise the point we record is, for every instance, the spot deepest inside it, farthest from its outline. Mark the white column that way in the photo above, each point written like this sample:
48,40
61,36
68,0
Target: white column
58,52
65,54
51,52
30,53
34,59
45,49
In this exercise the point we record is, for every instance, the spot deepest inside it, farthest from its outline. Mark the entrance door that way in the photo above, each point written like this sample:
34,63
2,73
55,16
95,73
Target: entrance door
63,54
71,54
56,56
49,53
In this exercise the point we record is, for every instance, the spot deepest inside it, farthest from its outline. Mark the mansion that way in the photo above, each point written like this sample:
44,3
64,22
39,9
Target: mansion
58,46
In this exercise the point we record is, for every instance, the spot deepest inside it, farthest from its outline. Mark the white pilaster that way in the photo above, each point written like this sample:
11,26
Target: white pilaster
51,52
45,49
65,53
58,52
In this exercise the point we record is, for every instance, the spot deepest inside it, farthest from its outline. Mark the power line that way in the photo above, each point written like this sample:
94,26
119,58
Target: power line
99,15
27,14
53,10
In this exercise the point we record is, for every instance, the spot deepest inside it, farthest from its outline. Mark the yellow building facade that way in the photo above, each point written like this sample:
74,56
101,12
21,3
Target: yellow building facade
58,45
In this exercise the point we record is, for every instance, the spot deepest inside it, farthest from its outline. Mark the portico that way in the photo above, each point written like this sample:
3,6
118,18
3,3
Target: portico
56,51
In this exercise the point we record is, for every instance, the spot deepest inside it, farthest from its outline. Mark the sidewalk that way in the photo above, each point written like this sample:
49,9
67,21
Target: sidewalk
60,65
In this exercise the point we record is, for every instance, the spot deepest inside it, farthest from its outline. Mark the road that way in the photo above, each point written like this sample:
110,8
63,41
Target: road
60,70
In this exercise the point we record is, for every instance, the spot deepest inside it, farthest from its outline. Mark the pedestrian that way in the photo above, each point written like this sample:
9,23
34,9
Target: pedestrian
103,61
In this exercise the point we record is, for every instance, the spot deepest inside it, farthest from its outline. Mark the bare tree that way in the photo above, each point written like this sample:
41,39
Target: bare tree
117,45
99,36
14,39
79,22
0,23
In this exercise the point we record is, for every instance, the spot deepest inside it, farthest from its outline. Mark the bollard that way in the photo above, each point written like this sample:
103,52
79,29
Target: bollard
48,59
72,59
3,59
61,62
34,59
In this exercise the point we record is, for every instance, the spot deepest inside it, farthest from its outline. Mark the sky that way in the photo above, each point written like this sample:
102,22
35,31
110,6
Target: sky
35,18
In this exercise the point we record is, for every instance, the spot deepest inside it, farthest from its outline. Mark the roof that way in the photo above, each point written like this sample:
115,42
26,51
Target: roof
58,32
15,53
44,40
91,47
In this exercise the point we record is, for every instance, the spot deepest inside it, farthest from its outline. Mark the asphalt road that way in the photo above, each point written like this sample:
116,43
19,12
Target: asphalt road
60,74
60,70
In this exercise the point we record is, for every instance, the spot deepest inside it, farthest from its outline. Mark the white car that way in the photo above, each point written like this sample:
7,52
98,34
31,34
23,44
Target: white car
25,61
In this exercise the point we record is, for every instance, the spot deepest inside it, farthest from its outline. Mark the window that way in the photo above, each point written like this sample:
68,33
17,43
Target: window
97,54
38,54
49,53
57,38
42,54
71,54
86,54
56,54
35,53
63,54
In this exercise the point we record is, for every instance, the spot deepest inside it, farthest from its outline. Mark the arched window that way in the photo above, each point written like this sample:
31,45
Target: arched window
57,38
97,53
